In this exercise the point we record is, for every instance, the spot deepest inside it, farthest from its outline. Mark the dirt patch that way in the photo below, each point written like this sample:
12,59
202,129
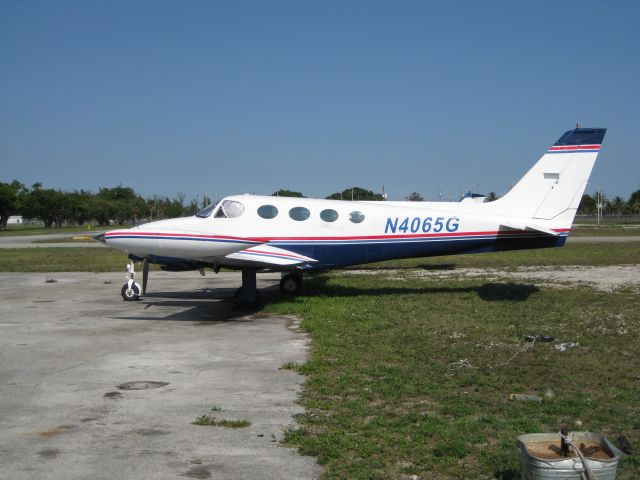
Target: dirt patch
141,385
57,431
608,278
551,450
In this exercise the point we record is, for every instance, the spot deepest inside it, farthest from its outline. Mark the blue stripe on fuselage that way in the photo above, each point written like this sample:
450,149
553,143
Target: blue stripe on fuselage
336,253
342,255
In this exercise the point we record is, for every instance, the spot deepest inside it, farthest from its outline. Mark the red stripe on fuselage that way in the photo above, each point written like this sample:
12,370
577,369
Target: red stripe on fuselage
261,252
166,234
415,235
366,237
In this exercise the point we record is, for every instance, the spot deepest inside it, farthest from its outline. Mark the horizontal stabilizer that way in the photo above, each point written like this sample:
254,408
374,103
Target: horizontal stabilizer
527,225
265,255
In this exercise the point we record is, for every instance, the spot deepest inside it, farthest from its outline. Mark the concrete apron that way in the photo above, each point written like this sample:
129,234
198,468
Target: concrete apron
94,387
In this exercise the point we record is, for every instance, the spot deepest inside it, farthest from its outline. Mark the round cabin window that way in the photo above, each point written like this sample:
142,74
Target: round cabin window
268,211
356,217
299,213
329,215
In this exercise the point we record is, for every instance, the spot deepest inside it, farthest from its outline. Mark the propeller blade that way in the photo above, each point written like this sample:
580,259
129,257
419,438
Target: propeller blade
145,274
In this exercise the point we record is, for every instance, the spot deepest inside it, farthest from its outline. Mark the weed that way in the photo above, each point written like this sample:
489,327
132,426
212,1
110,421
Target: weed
204,420
234,423
210,421
290,366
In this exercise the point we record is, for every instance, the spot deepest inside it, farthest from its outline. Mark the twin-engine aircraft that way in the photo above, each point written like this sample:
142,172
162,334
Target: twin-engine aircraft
295,235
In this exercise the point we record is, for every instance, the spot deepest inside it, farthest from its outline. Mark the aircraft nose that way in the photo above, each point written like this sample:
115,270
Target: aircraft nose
100,238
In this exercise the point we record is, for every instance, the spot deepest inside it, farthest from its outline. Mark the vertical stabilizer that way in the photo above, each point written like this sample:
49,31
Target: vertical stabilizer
552,189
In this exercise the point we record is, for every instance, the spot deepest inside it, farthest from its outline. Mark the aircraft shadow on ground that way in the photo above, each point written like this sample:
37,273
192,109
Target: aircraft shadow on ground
491,291
210,306
207,306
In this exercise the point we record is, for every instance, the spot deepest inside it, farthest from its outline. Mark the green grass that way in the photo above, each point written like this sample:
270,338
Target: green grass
108,260
384,397
62,260
19,230
605,231
233,423
210,421
290,366
75,239
204,421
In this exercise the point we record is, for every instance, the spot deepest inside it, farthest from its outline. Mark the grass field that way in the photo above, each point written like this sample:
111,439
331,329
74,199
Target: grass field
386,395
71,239
605,231
80,259
19,230
62,260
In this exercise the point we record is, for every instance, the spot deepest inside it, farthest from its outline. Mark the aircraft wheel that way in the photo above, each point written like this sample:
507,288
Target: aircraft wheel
130,294
290,284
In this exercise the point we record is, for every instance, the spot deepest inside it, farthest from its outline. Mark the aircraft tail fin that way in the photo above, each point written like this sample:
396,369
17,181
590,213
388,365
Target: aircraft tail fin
553,187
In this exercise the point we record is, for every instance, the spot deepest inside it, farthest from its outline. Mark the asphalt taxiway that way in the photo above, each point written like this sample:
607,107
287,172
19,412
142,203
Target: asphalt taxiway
94,387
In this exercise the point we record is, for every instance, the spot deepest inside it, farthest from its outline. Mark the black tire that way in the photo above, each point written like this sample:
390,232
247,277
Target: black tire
290,284
130,295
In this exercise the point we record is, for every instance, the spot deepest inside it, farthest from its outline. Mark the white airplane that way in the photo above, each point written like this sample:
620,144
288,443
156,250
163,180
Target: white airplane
295,235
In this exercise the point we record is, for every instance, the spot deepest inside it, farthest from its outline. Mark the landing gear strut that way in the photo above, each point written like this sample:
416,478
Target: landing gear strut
291,283
247,294
130,290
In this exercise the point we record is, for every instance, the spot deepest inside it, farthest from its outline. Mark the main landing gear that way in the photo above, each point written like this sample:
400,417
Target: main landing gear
247,295
291,283
130,290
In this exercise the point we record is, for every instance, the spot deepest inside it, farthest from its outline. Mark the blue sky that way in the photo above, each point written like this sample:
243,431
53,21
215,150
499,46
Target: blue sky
224,97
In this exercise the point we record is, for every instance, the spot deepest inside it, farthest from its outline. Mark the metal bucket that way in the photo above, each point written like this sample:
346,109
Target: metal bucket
538,468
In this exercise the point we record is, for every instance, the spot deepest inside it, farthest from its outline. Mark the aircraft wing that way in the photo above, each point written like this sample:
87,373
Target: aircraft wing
527,225
267,256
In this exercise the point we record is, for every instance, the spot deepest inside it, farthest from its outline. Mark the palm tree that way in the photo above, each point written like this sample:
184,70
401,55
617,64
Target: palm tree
617,205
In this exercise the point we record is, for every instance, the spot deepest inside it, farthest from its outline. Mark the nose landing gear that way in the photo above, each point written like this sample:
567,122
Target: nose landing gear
130,290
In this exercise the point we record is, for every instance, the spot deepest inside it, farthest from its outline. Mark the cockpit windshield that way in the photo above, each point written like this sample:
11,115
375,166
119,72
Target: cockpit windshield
206,211
232,208
223,209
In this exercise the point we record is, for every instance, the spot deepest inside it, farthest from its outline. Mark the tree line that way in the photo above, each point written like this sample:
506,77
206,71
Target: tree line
614,206
123,205
57,208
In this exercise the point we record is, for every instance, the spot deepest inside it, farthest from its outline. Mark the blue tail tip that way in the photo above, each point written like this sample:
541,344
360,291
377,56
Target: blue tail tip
582,136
